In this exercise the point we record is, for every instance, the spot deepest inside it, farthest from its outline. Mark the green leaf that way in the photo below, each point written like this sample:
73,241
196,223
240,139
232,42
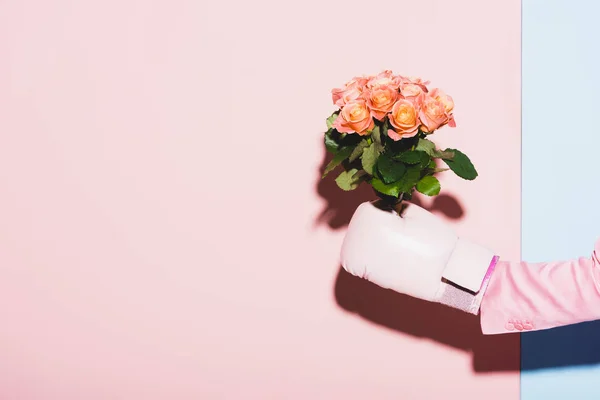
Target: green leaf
340,156
427,146
376,135
369,158
390,170
445,155
432,164
410,179
350,180
461,165
331,119
358,150
385,126
429,185
392,189
414,157
331,143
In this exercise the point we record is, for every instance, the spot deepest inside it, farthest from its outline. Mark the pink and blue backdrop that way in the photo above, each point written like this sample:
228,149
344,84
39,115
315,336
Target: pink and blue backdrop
164,233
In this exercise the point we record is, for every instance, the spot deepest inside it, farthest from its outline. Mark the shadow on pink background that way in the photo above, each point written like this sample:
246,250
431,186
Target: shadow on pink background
339,206
406,314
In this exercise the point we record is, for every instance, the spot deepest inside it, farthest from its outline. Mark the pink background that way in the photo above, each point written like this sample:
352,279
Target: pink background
164,234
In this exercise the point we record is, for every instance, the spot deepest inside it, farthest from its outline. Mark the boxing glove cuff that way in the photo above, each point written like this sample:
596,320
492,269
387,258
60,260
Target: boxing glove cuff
466,276
468,265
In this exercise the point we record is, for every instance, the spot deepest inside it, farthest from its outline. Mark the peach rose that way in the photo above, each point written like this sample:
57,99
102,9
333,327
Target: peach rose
360,81
417,81
451,121
448,104
405,119
355,117
444,98
413,92
352,90
385,78
433,114
381,99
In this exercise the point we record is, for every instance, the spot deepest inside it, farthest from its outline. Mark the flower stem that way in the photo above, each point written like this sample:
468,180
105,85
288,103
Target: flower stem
398,206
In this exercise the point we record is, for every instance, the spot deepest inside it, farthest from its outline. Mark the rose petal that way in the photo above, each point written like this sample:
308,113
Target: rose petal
451,122
395,136
341,126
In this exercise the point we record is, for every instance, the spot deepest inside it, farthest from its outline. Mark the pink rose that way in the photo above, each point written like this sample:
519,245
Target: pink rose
405,119
385,78
433,114
352,90
381,99
355,117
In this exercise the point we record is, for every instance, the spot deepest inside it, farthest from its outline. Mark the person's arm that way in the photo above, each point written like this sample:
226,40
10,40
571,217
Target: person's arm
421,256
525,296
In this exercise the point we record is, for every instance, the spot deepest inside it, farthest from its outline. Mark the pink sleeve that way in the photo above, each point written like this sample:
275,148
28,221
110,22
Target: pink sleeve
524,296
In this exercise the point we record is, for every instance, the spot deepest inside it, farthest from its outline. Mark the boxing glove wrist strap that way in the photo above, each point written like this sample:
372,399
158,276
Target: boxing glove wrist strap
456,296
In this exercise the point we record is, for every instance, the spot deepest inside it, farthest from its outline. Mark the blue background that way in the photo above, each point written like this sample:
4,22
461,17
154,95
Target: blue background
561,192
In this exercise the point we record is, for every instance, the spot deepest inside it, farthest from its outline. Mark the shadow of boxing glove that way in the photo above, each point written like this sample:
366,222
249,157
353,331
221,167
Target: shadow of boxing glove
416,254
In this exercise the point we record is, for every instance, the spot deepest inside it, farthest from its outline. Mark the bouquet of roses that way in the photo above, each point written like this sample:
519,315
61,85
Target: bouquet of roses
380,135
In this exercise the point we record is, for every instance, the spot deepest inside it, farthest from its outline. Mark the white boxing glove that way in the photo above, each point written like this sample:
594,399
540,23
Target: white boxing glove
416,254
